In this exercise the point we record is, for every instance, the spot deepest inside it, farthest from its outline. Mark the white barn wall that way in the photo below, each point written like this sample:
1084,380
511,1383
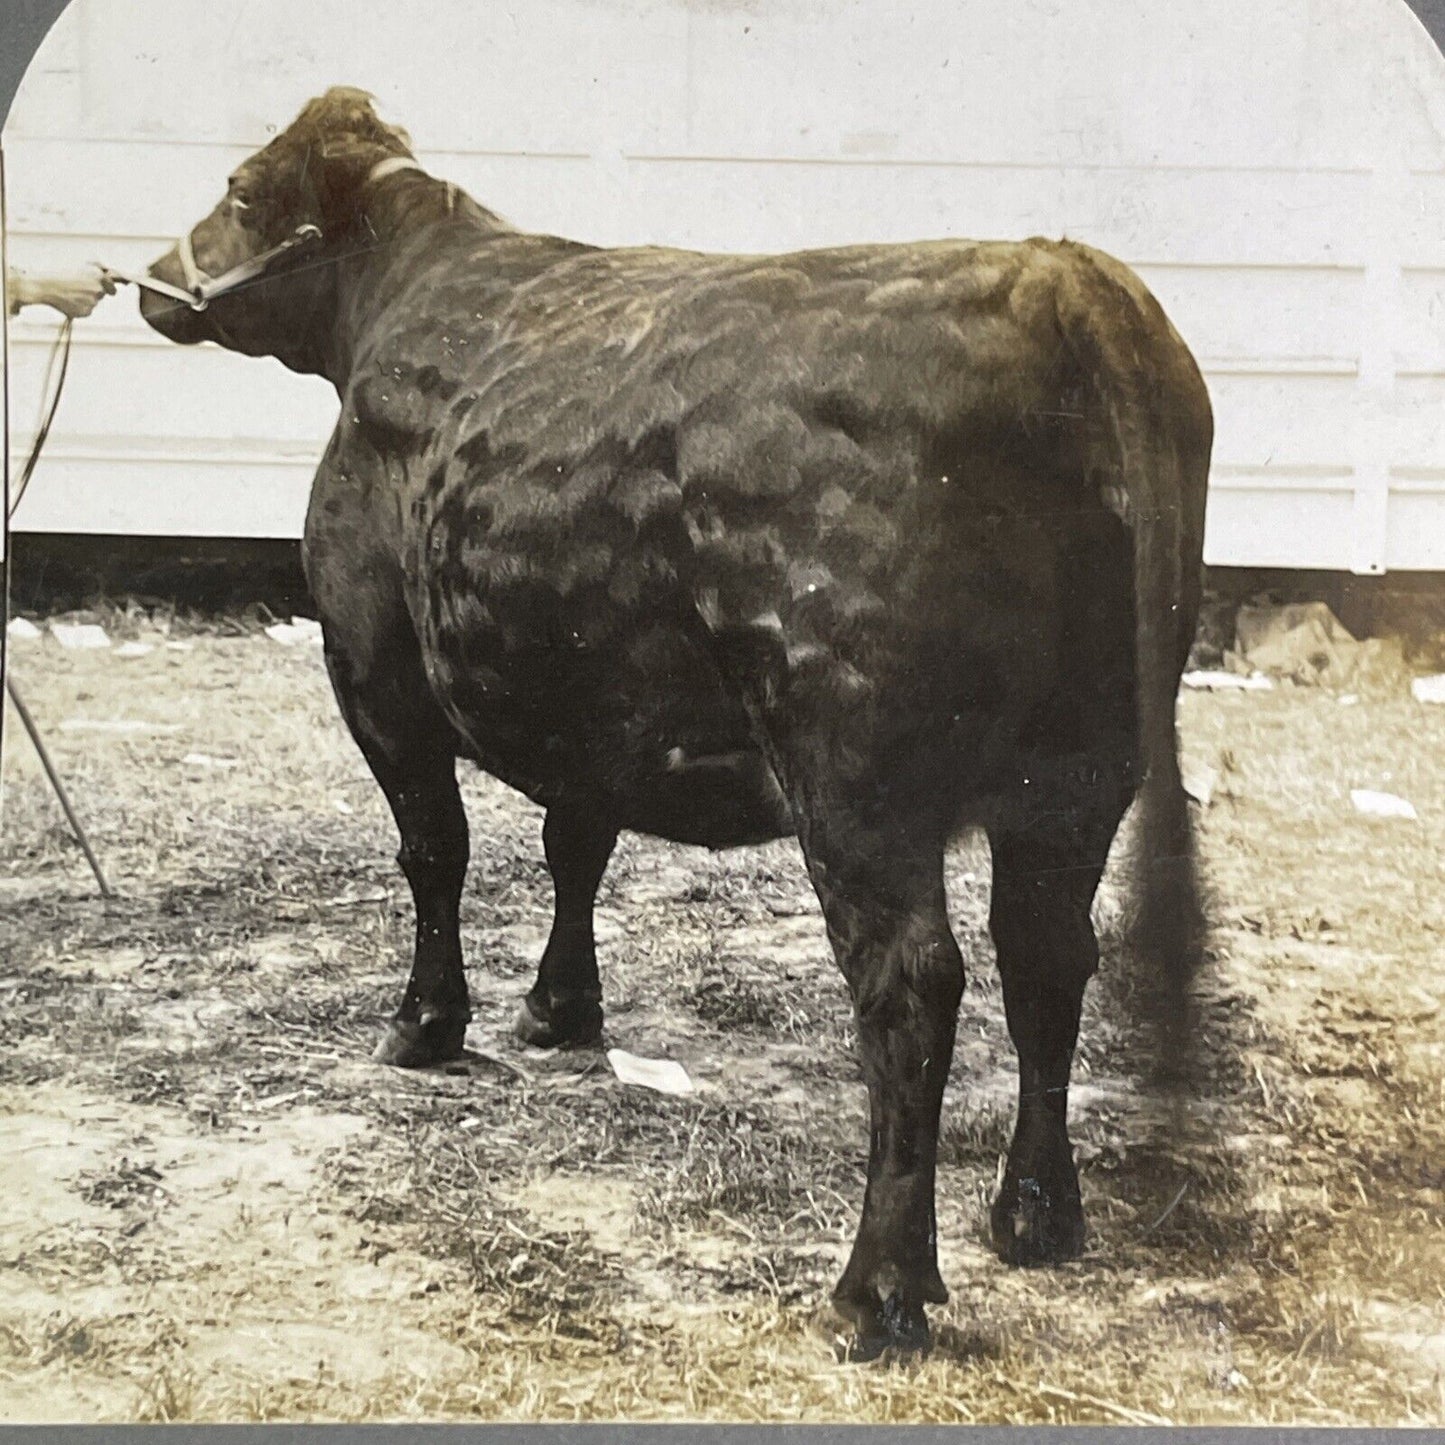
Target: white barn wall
1277,174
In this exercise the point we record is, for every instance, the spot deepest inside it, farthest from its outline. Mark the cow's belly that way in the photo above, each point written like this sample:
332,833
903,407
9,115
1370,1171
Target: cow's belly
639,722
723,800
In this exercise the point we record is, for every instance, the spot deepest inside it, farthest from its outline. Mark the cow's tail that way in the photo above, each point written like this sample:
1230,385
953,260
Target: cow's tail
1152,462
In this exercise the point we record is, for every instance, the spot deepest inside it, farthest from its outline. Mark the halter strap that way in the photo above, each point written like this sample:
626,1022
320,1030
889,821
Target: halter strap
194,276
390,166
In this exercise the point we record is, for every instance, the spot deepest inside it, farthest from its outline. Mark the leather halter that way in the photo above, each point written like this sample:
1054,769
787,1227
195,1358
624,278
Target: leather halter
201,289
204,289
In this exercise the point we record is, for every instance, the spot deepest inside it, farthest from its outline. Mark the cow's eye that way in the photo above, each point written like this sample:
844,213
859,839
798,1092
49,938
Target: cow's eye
240,201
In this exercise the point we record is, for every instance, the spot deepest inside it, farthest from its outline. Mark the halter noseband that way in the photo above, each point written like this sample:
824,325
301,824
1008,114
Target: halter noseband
204,289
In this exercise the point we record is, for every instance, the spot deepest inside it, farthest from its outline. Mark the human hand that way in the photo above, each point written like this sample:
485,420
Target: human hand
78,294
74,294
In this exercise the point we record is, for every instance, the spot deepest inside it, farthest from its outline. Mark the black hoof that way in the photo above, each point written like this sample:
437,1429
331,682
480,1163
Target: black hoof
894,1330
572,1023
415,1044
1034,1226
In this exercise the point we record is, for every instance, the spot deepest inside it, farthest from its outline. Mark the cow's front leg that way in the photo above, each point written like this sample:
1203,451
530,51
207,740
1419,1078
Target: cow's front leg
883,901
565,1004
411,751
431,1023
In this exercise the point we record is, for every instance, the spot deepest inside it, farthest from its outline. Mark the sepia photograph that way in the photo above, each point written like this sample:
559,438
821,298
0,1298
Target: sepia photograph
724,711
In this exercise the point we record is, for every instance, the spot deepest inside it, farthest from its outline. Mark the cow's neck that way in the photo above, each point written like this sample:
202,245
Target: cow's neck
396,209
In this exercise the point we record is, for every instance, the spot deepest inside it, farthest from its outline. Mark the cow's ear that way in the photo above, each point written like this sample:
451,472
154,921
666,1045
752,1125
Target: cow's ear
340,179
350,138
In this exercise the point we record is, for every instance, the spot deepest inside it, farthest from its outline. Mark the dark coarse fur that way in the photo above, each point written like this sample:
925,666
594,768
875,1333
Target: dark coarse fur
866,544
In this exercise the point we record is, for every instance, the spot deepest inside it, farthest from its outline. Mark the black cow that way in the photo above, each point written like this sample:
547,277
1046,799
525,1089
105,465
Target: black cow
865,544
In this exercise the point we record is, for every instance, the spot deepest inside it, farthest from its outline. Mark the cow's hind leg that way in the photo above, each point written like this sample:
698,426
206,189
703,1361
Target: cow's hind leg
411,750
1043,888
565,1004
882,894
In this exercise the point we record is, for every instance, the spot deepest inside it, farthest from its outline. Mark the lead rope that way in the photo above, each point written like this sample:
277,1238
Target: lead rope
61,347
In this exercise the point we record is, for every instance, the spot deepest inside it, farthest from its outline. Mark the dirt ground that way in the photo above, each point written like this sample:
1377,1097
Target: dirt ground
216,1208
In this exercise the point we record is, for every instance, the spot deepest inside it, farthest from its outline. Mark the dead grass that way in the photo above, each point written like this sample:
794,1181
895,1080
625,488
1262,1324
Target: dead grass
524,1271
726,996
736,1168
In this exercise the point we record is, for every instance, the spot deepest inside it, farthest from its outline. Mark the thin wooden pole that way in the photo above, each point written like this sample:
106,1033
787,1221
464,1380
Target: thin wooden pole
59,787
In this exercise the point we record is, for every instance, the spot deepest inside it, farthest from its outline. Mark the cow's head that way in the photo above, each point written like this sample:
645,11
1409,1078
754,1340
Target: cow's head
312,175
